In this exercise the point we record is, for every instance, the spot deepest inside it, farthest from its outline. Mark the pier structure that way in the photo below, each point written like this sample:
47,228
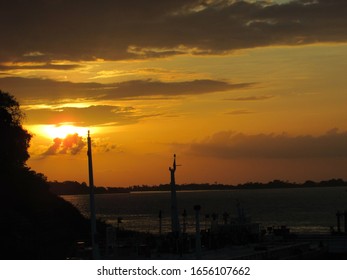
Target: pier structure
339,216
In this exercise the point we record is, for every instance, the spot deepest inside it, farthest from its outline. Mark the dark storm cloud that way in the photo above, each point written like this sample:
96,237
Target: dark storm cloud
229,145
153,88
77,30
46,90
89,116
45,66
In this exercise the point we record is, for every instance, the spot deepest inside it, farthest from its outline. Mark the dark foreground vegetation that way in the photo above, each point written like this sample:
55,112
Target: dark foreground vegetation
34,222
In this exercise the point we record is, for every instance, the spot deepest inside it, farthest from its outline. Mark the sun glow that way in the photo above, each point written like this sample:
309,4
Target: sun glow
62,130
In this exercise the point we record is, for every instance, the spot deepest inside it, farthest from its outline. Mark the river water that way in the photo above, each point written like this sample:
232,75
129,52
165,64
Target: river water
304,210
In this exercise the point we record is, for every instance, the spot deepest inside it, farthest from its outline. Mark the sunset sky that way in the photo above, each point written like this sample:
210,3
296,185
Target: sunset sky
239,90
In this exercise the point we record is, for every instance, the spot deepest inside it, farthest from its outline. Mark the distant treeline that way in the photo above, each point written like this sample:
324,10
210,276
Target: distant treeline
73,187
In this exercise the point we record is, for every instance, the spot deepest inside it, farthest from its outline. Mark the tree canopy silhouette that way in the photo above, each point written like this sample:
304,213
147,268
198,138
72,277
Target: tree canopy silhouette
14,142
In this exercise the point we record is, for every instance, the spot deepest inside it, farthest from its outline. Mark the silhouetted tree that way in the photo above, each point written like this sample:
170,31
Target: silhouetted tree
14,139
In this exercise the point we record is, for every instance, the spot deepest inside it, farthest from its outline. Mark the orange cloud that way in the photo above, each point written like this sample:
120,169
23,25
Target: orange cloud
71,144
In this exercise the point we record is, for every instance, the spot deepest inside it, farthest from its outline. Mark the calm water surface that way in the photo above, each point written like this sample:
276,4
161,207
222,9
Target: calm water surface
303,210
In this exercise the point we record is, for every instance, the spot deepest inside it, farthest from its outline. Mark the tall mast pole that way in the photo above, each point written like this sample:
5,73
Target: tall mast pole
175,225
95,247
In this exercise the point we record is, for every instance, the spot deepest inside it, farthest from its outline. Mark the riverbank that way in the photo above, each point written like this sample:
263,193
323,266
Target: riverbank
76,188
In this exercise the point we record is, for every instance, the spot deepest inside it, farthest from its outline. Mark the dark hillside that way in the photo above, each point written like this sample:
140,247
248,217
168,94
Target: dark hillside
34,223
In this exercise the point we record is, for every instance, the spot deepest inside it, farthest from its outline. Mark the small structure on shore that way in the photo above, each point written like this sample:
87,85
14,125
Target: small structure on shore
339,215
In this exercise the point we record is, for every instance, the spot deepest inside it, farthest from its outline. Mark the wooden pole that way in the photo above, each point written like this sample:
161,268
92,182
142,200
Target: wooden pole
95,247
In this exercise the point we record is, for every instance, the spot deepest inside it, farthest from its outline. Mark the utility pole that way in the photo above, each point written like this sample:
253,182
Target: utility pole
95,247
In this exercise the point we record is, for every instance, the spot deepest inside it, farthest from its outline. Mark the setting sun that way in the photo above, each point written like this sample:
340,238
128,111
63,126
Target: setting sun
62,130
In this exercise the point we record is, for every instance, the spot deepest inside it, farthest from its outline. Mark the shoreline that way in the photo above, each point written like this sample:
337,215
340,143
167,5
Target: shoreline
75,188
